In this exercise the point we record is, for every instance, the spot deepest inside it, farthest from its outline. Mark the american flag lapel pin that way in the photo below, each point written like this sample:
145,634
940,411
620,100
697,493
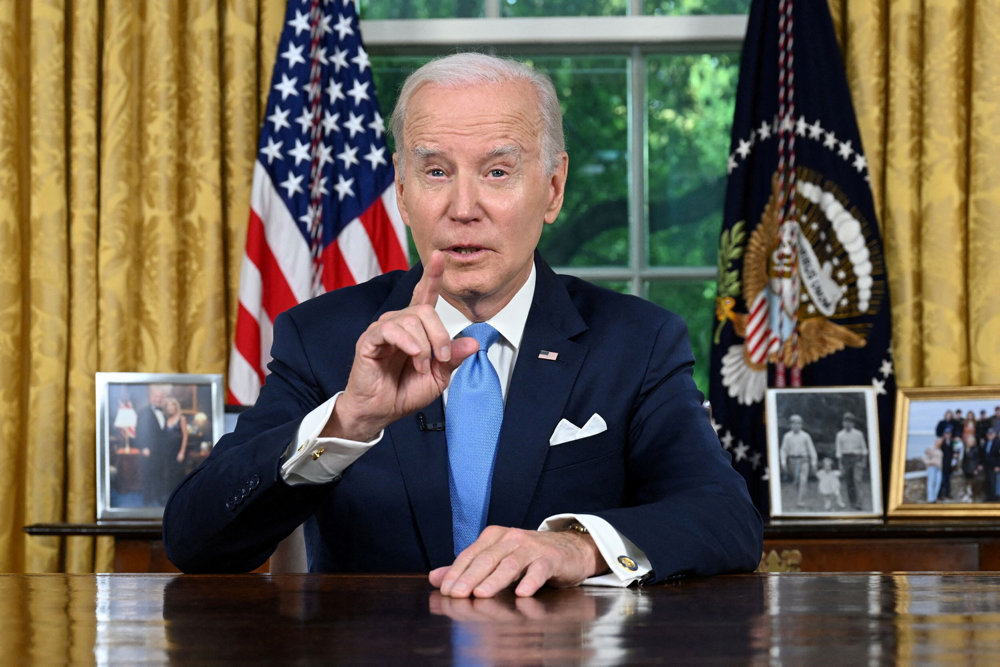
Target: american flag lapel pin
548,356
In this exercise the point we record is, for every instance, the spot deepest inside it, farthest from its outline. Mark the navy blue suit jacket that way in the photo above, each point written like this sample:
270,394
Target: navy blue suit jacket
658,474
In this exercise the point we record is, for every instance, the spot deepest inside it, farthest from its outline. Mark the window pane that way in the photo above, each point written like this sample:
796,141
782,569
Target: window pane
676,7
518,8
592,229
694,300
690,101
421,9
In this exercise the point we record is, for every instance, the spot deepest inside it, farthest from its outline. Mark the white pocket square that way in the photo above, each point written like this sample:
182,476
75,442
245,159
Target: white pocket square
567,431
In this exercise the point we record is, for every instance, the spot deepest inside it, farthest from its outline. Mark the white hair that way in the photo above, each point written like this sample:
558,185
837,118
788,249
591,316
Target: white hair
464,69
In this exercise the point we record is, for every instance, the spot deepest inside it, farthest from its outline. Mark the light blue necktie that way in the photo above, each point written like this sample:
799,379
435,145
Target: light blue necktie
472,424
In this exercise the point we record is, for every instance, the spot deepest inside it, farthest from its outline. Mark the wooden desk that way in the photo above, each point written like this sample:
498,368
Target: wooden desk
336,619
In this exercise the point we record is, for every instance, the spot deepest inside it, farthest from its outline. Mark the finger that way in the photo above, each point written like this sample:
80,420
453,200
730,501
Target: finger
534,578
427,289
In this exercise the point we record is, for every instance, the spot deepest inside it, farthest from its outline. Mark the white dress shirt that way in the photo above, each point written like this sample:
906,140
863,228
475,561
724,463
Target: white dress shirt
627,563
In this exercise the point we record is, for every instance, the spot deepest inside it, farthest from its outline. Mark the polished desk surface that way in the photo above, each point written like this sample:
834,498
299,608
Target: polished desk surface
337,619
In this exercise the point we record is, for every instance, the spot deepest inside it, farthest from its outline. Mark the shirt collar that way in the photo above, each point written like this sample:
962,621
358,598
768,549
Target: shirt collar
509,321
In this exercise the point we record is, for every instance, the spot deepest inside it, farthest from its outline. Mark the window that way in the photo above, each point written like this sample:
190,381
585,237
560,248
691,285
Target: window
648,89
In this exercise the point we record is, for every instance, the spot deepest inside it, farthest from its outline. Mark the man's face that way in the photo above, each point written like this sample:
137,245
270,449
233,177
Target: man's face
156,397
474,188
848,424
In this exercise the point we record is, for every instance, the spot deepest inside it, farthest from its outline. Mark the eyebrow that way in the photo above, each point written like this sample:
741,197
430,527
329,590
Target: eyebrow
423,152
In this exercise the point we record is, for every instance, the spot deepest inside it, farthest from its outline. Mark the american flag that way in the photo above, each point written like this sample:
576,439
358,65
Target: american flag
323,209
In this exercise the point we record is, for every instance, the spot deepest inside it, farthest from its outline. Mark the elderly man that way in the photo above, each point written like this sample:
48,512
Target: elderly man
478,417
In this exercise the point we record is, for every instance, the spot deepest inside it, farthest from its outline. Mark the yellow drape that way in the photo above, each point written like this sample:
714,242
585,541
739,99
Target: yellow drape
128,136
129,133
925,78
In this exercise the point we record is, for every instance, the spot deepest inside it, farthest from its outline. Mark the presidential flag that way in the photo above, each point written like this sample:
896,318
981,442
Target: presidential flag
323,212
803,299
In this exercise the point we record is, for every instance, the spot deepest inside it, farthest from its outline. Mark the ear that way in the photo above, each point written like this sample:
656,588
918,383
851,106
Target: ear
557,189
400,200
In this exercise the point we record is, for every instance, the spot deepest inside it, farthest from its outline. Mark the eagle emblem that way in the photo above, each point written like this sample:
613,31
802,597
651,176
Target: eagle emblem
806,282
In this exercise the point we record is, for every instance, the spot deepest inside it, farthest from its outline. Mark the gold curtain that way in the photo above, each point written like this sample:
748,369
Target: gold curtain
129,134
925,78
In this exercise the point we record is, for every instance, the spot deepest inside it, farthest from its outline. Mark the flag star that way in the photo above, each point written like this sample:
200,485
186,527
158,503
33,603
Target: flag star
860,163
320,55
879,386
377,125
801,126
293,184
339,59
376,156
349,156
305,120
755,460
325,155
300,23
335,91
343,27
741,451
815,130
830,140
786,124
320,186
744,148
886,368
359,91
764,130
279,118
344,187
361,60
307,217
330,122
272,150
293,55
727,440
311,89
845,149
300,152
324,25
715,425
354,124
731,165
286,87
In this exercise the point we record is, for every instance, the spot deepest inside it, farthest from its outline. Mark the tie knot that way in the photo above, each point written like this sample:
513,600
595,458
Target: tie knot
482,332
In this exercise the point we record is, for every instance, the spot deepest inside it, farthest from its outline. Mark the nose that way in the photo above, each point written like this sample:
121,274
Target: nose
464,204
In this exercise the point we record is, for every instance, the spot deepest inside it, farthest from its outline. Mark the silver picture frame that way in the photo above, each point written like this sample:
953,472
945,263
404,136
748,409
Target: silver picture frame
142,455
836,480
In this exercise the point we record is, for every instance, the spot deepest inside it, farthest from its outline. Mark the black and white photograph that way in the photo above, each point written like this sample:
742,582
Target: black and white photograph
946,454
153,429
823,452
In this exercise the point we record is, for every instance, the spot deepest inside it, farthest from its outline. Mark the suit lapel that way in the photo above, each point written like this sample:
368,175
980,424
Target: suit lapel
537,396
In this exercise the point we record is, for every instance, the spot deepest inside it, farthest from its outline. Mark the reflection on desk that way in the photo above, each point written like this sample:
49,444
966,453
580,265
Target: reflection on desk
233,619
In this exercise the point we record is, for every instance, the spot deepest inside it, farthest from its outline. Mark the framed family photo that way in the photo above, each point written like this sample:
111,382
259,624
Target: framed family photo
823,452
152,430
946,453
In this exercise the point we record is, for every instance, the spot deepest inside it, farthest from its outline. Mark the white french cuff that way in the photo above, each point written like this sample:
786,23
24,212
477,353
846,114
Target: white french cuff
627,562
310,459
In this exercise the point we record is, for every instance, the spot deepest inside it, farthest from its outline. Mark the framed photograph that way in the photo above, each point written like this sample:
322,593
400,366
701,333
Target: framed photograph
152,430
946,453
823,452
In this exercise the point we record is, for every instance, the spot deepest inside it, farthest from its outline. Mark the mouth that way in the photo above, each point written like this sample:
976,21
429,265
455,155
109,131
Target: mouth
465,251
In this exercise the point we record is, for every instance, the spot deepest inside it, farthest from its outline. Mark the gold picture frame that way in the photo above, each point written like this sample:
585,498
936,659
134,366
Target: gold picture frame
925,483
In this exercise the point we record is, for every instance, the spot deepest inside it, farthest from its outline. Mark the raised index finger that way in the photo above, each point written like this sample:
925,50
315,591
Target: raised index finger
426,291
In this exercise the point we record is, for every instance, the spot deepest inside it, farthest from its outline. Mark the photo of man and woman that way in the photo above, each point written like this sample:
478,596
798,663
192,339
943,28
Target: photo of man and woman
156,430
